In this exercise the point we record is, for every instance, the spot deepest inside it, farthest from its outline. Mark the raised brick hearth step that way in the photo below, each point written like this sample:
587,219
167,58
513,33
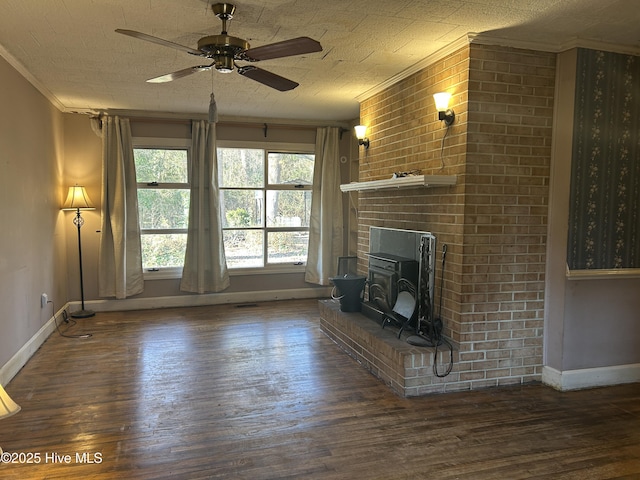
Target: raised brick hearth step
407,369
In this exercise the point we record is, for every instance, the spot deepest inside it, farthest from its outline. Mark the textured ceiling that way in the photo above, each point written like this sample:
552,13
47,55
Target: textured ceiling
69,50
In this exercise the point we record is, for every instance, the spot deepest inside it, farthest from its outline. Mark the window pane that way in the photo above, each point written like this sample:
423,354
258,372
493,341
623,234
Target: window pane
241,208
243,248
160,165
240,167
163,250
288,208
163,208
290,168
287,247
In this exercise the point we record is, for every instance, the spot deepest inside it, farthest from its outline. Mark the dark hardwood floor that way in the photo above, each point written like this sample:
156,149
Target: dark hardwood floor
260,392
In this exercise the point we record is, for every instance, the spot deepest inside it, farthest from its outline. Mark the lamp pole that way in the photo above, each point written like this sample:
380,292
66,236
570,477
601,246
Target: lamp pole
78,221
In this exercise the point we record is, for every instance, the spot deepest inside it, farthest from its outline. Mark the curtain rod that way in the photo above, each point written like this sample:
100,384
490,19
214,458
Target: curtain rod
175,121
248,122
263,125
227,123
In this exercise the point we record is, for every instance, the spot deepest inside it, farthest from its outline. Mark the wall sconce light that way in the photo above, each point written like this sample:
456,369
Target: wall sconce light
442,105
361,135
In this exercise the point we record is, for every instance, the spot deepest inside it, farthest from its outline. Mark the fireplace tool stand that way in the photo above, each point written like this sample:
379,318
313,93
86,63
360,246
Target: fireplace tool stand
428,329
433,337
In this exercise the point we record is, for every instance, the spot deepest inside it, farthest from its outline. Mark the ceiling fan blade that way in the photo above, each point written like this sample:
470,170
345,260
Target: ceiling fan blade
286,48
158,41
169,77
267,78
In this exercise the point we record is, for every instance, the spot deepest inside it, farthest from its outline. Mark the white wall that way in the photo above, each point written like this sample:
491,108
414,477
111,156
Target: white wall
32,253
602,323
82,166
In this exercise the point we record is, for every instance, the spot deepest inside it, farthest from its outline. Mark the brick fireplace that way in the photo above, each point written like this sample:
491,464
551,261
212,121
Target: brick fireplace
494,220
395,256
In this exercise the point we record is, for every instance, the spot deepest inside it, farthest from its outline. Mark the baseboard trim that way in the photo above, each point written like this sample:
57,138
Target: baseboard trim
591,377
22,356
221,298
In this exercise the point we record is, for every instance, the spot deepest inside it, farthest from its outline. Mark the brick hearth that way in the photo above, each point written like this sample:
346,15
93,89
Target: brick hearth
406,369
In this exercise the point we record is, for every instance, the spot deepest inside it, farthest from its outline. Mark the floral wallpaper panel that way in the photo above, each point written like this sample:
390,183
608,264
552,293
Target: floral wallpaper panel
604,216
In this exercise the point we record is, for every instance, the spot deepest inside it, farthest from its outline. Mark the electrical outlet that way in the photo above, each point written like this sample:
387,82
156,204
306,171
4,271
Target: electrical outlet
44,299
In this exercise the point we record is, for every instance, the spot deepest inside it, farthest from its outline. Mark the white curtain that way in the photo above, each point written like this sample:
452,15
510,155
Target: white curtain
205,265
325,228
120,262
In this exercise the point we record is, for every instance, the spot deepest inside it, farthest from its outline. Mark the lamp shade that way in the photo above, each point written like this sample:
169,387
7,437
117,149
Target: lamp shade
361,131
7,406
442,100
77,198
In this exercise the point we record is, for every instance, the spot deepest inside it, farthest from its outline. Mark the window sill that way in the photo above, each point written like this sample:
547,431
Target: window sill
270,270
176,273
163,274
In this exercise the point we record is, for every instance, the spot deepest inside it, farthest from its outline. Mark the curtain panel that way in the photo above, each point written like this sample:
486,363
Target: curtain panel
120,256
205,265
325,224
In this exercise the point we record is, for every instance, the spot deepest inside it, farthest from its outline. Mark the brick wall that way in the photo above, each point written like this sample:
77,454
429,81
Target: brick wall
494,220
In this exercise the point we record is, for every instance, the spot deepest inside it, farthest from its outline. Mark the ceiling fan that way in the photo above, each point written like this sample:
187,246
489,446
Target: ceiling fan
226,50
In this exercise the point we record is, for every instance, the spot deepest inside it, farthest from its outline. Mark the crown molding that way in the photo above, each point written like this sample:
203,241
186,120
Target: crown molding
11,60
599,45
485,39
416,67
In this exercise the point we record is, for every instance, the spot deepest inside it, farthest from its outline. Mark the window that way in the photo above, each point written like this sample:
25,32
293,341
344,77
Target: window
265,202
163,203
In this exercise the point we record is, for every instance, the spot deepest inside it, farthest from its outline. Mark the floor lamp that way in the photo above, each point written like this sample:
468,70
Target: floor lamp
77,199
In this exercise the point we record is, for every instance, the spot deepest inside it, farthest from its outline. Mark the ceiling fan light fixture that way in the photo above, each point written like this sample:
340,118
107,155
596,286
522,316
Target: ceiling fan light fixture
224,63
225,50
216,44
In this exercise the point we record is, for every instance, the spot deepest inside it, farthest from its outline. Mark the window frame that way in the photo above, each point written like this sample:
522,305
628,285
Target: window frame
163,143
270,147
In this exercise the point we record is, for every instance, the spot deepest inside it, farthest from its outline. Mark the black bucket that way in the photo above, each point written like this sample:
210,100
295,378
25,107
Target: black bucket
351,289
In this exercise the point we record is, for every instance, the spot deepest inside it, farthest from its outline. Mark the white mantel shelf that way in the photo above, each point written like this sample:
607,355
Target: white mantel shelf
402,182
